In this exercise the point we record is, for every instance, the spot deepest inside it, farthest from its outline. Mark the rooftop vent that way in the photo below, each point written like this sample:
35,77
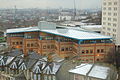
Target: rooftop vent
43,25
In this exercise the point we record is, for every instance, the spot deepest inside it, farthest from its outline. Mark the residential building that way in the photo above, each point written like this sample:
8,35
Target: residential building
93,72
111,19
67,43
13,66
65,18
92,28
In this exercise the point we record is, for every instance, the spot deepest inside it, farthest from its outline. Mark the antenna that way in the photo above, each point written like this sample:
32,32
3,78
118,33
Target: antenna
74,9
15,15
15,9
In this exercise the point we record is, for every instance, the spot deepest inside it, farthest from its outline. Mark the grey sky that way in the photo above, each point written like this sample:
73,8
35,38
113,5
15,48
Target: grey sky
80,4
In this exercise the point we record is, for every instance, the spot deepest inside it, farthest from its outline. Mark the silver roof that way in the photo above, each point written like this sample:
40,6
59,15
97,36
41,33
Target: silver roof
70,33
18,30
92,70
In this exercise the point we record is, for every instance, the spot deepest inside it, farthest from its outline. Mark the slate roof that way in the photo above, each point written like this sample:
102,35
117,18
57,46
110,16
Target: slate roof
46,67
14,53
33,62
5,60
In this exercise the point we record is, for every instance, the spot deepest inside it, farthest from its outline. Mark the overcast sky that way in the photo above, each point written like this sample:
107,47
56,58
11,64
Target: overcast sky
80,4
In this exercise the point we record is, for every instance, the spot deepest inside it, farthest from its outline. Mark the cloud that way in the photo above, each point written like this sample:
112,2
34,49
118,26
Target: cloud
80,4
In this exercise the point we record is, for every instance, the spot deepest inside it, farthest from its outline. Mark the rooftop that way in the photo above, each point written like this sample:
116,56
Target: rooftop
92,70
91,26
99,72
70,33
19,30
83,69
33,62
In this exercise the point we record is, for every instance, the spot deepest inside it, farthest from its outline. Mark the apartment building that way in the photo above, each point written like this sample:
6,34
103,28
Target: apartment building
111,19
46,39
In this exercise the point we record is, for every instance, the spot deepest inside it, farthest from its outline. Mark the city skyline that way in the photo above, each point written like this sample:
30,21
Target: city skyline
80,4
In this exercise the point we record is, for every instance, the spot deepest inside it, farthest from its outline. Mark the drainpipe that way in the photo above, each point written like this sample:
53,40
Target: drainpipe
79,42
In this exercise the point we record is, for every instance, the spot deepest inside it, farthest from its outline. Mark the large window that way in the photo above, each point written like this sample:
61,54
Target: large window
104,8
66,49
13,43
52,46
109,13
115,8
46,38
115,3
95,41
45,77
102,50
91,51
48,46
31,35
109,3
108,41
16,35
49,77
104,3
17,43
83,51
98,51
20,43
115,14
114,25
54,78
32,45
62,49
87,51
28,45
109,8
115,19
34,77
88,41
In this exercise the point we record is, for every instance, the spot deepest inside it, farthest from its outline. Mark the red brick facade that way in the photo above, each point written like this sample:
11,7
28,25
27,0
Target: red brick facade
45,43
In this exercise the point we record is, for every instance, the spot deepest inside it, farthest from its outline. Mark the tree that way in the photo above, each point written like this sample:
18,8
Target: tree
113,58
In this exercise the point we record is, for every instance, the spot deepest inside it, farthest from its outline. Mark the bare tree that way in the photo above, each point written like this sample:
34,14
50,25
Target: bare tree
113,58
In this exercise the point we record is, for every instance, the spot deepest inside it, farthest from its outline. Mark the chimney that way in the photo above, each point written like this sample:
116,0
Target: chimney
25,53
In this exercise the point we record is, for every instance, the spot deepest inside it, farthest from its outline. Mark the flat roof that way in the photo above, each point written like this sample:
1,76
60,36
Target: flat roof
19,30
91,26
70,33
91,70
83,69
99,72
